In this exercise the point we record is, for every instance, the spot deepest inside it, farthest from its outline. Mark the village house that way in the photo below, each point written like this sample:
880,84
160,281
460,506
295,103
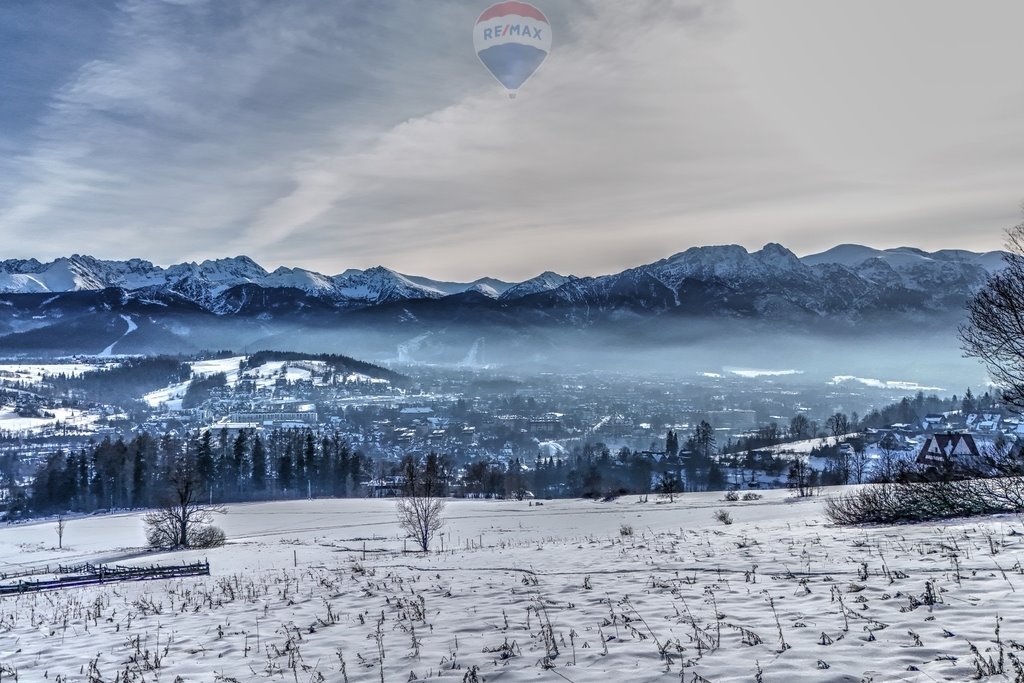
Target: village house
942,450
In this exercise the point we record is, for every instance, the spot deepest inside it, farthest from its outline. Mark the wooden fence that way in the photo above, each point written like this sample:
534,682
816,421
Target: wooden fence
93,575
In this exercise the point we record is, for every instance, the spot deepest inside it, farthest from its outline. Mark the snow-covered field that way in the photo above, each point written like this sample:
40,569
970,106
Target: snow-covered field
33,373
78,419
262,377
526,592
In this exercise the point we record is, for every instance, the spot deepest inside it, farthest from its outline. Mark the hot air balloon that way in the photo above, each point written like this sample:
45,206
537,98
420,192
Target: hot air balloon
512,39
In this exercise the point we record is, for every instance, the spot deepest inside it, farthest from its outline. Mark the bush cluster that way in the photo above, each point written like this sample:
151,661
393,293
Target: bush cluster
921,501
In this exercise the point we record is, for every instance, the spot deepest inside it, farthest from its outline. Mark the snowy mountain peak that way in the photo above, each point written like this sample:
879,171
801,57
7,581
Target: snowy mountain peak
299,278
903,258
448,287
721,253
844,255
380,285
545,282
238,267
778,256
484,289
726,263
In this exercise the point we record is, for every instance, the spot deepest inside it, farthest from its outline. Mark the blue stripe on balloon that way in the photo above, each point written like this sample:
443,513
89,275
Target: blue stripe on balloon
512,63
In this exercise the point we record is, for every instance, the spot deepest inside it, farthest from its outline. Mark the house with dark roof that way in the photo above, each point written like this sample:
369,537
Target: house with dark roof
941,450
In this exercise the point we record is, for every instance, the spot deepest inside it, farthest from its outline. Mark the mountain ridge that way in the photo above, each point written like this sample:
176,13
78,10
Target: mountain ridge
83,272
48,305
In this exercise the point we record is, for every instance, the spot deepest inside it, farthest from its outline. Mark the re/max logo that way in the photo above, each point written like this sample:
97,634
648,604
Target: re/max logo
512,30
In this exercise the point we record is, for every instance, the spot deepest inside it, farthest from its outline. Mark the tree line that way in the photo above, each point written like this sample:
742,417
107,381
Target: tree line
115,474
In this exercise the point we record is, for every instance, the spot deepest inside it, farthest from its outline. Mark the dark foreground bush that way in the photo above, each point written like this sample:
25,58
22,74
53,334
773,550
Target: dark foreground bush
894,503
199,536
208,536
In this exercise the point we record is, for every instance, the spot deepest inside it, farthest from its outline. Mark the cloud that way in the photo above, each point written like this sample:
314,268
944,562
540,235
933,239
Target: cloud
350,134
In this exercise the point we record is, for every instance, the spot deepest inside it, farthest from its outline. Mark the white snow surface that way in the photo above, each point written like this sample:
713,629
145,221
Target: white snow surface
899,385
263,377
752,373
109,351
526,593
35,372
11,421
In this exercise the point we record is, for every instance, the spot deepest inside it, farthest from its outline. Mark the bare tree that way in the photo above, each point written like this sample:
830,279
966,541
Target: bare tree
61,523
859,461
802,478
669,485
890,463
994,332
421,507
838,425
183,520
799,428
421,516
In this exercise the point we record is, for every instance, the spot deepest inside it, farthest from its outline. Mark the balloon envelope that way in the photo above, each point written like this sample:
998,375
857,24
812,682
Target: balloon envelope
512,39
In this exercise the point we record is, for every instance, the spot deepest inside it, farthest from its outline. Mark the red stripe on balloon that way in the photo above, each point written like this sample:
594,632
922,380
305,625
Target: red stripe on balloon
503,9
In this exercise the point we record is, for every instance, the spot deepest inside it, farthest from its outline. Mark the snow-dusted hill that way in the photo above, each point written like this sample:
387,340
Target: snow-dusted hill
854,255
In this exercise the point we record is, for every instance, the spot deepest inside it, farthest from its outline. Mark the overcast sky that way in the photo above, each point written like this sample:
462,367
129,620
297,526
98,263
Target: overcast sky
353,133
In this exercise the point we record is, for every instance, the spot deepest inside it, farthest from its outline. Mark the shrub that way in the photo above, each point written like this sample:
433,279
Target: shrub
723,516
625,530
732,496
893,503
165,534
183,525
752,496
207,536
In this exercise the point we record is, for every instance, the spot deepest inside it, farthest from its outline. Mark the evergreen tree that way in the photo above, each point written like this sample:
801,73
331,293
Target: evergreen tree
704,439
139,471
259,465
672,444
716,477
96,483
325,468
205,466
223,464
968,406
84,499
341,470
308,474
355,473
239,468
285,470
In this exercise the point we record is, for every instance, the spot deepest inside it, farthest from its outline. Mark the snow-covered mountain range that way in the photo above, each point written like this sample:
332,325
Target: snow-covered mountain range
846,281
203,282
847,285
